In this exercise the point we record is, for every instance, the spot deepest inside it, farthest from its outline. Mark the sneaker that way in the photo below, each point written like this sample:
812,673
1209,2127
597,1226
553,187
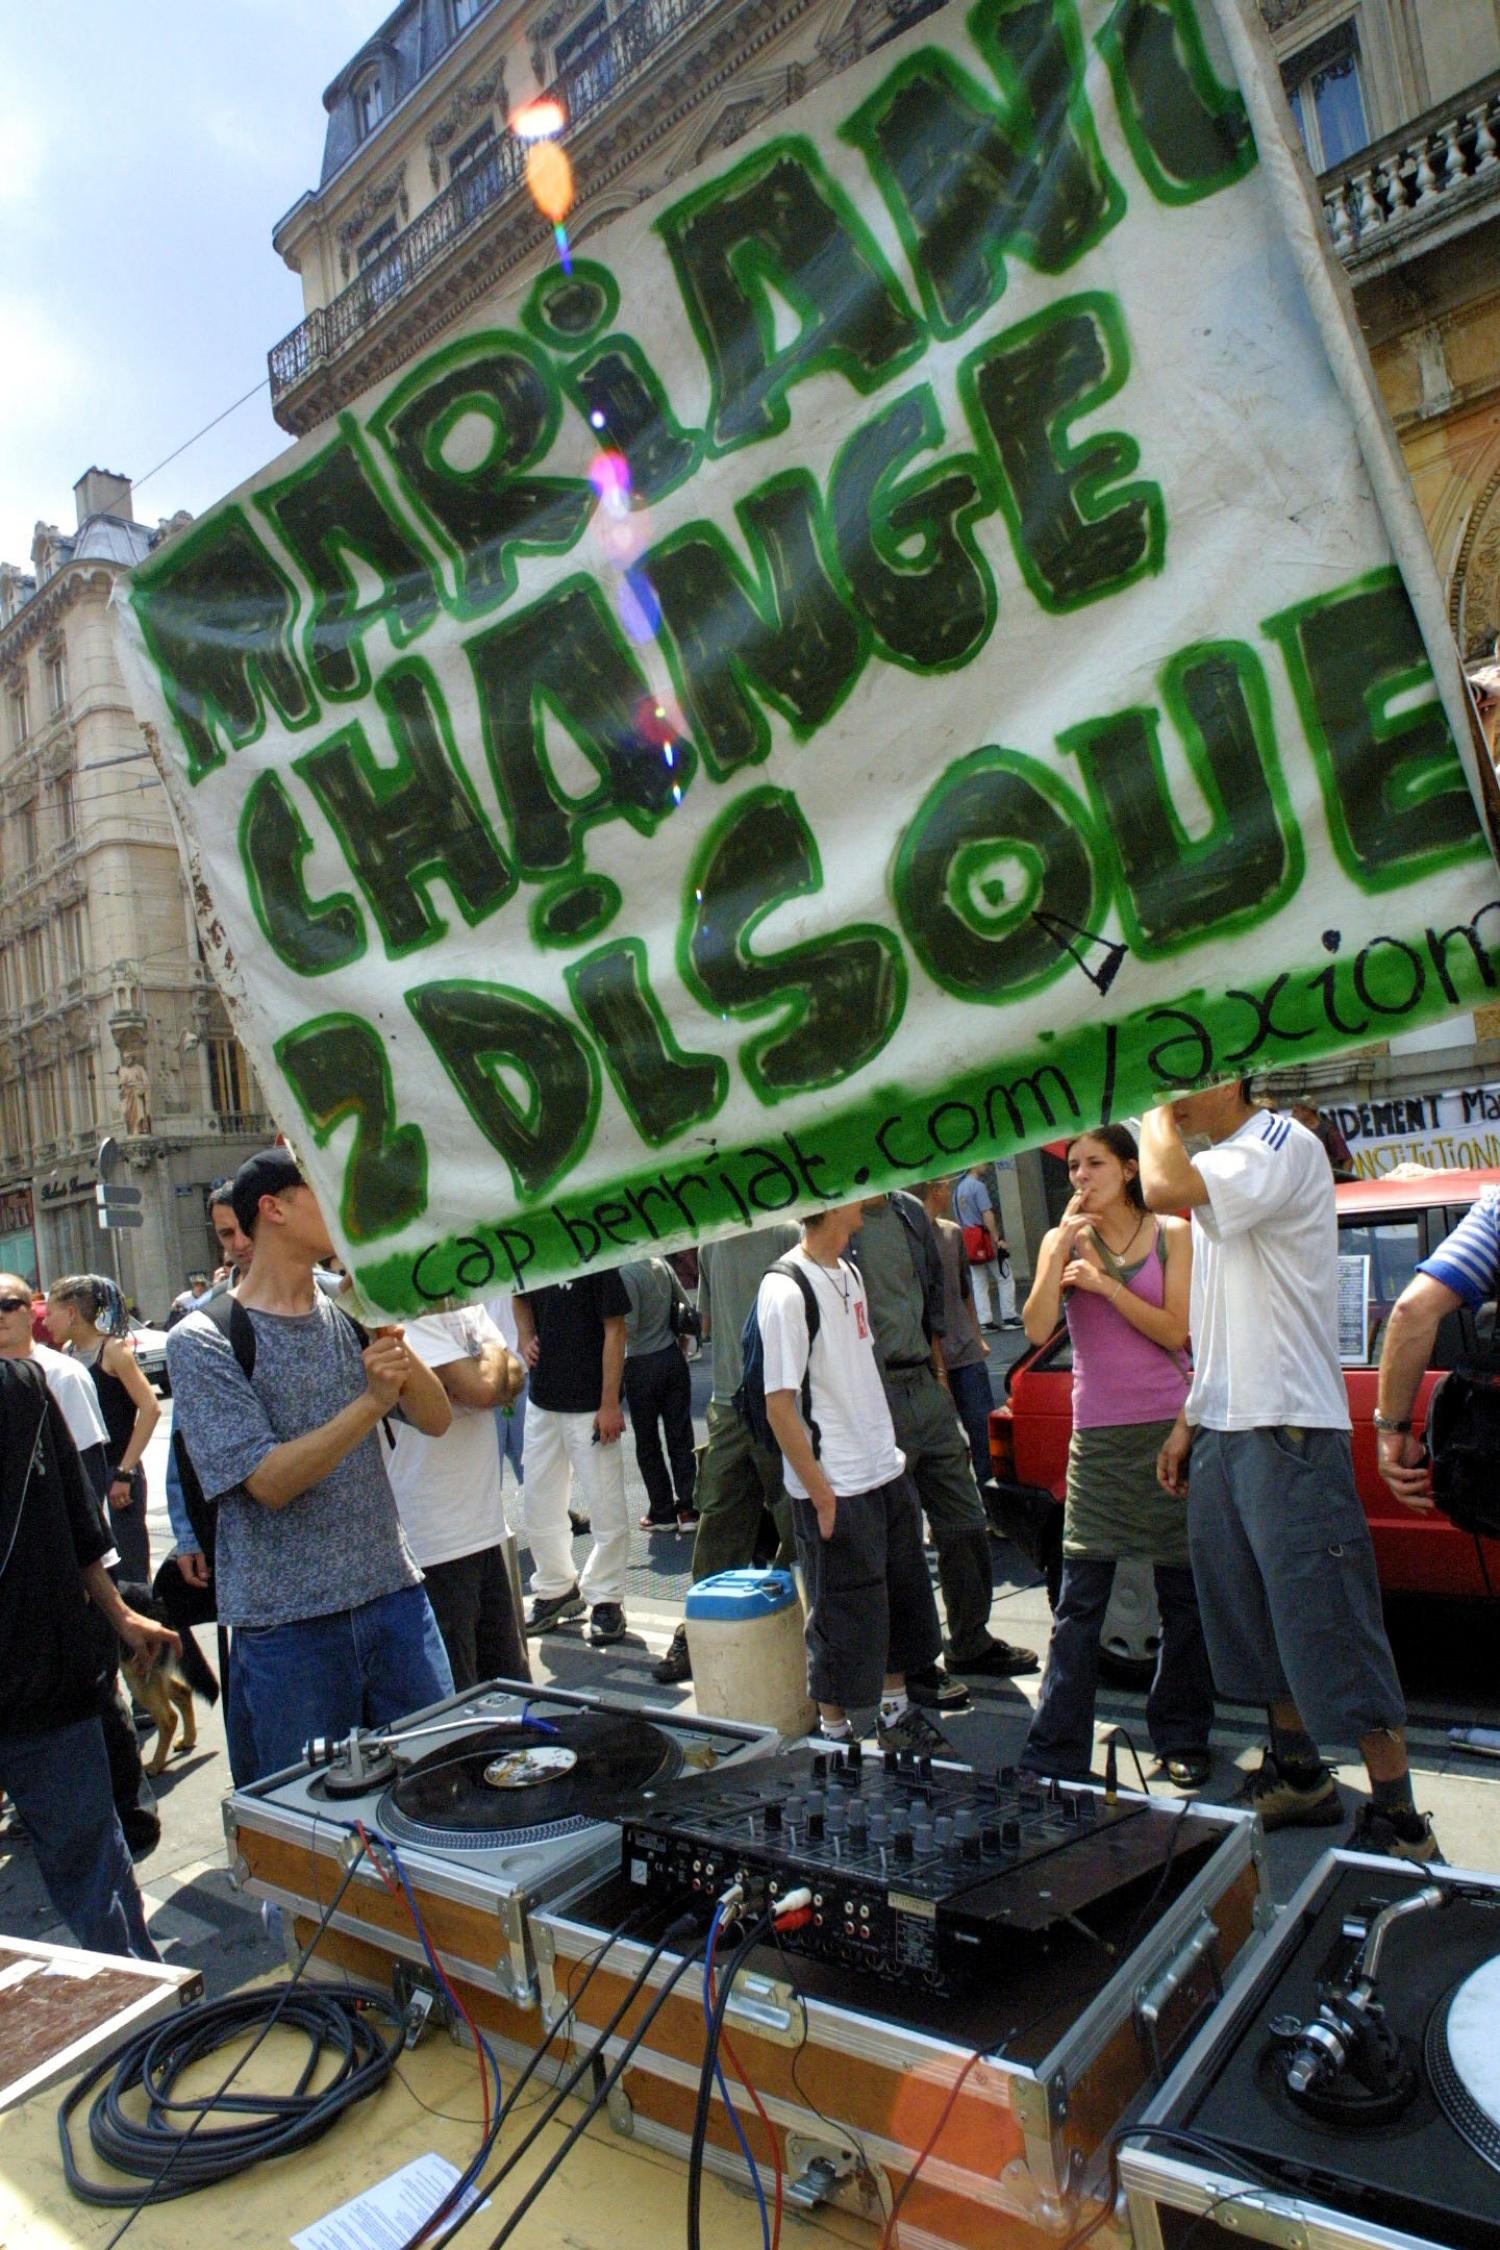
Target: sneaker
676,1666
912,1731
582,1526
936,1690
1281,1804
687,1521
1002,1660
1376,1830
657,1523
606,1624
1186,1769
550,1609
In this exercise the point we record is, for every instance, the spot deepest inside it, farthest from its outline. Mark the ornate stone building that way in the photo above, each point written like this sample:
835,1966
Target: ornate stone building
109,1023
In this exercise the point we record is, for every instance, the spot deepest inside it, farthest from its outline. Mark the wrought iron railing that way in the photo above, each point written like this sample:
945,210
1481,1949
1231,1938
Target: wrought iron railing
1399,186
586,82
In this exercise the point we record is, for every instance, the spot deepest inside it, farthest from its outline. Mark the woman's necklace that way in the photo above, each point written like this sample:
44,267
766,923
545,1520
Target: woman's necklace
1120,1256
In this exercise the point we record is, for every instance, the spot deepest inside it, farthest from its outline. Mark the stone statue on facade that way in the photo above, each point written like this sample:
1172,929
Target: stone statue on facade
135,1095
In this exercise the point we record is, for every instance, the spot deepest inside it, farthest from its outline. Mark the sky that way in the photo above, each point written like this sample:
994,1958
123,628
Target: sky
147,149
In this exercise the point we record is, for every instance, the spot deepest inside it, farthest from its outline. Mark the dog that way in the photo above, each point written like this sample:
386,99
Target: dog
165,1687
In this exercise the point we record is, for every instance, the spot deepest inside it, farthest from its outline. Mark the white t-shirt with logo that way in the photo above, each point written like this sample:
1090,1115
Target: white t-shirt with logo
858,1442
1265,1291
448,1488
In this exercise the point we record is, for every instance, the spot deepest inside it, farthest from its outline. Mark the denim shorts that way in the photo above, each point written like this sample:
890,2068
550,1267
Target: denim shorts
1286,1579
360,1667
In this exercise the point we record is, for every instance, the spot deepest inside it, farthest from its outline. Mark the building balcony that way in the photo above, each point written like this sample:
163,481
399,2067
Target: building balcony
638,37
1418,188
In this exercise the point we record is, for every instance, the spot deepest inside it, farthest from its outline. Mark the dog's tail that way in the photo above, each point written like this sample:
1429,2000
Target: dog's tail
195,1668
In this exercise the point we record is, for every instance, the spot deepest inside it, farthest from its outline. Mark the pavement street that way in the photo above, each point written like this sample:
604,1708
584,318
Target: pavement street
197,1919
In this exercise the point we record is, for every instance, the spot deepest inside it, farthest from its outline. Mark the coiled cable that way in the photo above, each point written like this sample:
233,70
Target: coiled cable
140,2125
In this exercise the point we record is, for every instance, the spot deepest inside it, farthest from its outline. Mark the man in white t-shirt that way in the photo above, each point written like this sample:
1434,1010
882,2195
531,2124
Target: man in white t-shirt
871,1616
1281,1550
448,1495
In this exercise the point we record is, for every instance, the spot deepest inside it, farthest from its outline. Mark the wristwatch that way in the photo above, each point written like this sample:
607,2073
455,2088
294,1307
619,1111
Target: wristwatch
1384,1422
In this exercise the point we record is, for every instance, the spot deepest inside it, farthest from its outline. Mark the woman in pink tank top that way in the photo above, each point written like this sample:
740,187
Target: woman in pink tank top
1120,1277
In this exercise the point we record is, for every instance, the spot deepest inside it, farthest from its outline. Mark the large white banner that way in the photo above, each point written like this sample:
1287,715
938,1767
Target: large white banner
918,642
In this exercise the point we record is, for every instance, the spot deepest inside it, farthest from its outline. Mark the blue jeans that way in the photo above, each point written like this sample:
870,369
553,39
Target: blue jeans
510,1434
972,1397
1180,1704
326,1675
59,1783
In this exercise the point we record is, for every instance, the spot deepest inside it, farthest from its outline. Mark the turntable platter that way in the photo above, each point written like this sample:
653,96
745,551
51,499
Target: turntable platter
1463,2056
526,1779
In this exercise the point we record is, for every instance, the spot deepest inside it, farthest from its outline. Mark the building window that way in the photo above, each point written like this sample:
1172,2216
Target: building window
1322,85
57,684
578,42
20,718
478,145
464,12
26,823
229,1077
70,941
381,271
62,805
88,1087
369,104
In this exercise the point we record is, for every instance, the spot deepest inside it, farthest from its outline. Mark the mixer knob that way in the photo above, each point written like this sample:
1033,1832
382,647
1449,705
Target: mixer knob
1031,1801
815,1827
892,1761
858,1822
854,1754
942,1831
1087,1807
1010,1835
989,1837
838,1818
1069,1808
904,1845
880,1828
924,1766
965,1822
969,1844
773,1818
820,1767
816,1801
1006,1777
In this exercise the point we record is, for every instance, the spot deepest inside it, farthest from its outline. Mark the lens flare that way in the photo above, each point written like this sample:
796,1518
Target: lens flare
538,120
549,177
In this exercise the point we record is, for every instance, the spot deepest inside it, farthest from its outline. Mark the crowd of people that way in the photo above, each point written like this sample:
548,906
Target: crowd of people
338,1504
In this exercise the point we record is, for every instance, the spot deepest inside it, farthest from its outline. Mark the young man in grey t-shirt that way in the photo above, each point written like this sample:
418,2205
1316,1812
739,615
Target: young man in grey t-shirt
332,1628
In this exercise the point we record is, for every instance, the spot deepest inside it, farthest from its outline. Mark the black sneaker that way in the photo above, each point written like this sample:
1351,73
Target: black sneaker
581,1526
1002,1660
550,1609
676,1666
606,1624
1394,1836
936,1690
1285,1803
912,1731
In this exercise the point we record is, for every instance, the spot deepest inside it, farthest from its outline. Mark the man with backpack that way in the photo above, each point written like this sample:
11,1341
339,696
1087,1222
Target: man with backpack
810,1369
901,1264
332,1627
1463,1270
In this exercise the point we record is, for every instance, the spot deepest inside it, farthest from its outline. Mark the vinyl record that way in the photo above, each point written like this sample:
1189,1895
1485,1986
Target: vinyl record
526,1778
1464,2059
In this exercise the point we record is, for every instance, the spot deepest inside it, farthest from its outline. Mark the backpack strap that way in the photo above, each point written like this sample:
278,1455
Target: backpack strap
231,1319
814,1323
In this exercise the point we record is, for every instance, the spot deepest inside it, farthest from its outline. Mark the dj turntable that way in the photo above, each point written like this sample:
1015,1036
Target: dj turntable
495,1802
1349,2090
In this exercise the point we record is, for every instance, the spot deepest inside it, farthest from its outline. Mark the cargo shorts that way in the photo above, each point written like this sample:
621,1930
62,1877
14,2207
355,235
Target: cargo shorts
1286,1580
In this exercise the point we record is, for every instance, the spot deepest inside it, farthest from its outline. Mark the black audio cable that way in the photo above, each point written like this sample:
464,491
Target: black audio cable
169,2148
684,1924
596,2101
752,1937
507,2109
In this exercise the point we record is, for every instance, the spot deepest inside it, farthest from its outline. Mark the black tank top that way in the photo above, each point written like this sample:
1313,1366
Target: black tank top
115,1404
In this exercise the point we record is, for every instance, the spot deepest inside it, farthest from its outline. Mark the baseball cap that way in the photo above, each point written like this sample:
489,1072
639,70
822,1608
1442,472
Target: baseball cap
271,1172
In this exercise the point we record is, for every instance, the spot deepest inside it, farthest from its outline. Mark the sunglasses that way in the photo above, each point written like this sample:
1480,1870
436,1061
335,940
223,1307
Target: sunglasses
15,1304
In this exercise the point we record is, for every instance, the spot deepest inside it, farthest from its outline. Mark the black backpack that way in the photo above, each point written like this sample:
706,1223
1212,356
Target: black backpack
1463,1437
750,1398
230,1316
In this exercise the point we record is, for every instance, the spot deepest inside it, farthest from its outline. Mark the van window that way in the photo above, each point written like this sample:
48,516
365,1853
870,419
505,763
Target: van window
1394,1248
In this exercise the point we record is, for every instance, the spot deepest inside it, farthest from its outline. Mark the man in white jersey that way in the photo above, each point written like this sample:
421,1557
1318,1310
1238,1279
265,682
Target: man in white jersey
1281,1551
871,1617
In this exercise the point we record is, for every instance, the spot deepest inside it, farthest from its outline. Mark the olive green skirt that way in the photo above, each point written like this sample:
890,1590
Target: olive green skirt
1115,1507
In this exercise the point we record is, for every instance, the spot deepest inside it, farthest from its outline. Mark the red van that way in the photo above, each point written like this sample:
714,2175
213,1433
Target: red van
1392,1223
